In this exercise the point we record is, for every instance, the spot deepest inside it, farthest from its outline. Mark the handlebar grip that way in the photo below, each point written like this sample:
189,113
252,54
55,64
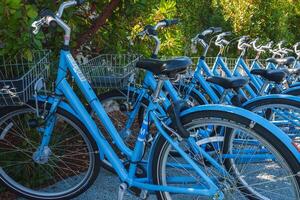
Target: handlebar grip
53,25
46,12
225,34
170,22
225,42
150,30
216,29
80,2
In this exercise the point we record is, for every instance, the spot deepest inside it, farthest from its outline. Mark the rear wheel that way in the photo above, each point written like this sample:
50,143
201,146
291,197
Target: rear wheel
70,163
283,112
260,166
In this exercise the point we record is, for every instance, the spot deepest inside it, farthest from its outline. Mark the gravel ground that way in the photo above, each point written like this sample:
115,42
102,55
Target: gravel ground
106,188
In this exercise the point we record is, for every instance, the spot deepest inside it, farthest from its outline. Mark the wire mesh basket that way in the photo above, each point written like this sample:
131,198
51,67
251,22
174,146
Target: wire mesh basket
18,76
110,70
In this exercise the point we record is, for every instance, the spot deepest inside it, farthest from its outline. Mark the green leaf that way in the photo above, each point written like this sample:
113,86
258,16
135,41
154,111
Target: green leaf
14,4
31,12
28,55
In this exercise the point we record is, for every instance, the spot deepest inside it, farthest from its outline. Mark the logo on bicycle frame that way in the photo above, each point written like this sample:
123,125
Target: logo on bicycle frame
76,68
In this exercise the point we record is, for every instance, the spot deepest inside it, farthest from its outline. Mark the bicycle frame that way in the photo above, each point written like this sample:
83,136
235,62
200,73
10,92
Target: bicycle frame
220,64
63,88
199,79
150,82
76,107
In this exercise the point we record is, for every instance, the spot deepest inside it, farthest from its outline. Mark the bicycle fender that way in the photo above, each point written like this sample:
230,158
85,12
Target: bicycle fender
270,97
295,84
291,90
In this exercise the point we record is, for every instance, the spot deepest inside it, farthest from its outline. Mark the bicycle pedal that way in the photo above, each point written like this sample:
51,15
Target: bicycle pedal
122,190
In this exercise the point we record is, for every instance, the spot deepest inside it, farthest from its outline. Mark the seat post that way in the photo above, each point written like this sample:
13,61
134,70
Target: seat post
158,88
264,87
224,94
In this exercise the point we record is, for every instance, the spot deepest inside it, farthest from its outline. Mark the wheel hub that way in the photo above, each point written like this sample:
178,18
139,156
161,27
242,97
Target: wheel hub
42,156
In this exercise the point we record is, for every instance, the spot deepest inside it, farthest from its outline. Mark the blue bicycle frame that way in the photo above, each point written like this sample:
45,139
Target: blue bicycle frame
76,107
64,89
150,82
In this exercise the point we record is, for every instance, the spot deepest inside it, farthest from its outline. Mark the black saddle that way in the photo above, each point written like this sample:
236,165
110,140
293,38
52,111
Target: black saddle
282,61
228,83
275,75
165,67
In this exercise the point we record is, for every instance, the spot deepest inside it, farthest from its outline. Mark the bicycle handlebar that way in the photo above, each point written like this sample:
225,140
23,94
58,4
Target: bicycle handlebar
48,18
208,31
297,51
169,22
80,2
281,51
199,38
220,41
261,48
243,42
152,30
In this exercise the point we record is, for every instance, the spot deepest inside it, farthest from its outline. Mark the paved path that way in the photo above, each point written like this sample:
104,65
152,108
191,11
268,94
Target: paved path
106,188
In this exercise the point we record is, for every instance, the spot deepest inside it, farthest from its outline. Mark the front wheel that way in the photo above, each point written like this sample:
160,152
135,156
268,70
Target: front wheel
70,163
259,165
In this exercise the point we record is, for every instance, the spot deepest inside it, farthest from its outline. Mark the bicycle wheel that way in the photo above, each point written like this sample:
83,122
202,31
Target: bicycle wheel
283,112
69,166
192,98
260,167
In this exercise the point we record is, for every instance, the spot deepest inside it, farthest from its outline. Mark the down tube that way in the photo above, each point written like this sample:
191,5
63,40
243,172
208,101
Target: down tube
93,100
85,117
212,188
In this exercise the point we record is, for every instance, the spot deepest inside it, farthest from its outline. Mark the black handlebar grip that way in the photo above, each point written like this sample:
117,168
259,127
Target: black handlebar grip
79,2
170,22
225,42
53,25
227,33
46,12
216,29
150,30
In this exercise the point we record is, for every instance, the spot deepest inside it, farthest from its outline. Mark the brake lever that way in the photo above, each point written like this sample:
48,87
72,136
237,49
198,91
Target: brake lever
36,25
142,34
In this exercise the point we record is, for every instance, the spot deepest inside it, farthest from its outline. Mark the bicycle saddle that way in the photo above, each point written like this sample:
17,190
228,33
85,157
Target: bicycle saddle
282,61
275,75
228,83
165,67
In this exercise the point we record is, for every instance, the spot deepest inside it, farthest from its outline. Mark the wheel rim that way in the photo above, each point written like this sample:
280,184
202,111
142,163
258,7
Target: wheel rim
286,117
69,166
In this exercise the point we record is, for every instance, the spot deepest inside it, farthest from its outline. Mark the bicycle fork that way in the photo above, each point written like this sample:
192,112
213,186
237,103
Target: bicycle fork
41,155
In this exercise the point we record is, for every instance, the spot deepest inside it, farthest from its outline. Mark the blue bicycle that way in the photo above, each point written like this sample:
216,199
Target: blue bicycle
127,103
51,148
272,80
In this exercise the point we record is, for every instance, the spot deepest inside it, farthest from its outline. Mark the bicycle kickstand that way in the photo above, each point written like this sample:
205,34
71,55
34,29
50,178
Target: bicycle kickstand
122,190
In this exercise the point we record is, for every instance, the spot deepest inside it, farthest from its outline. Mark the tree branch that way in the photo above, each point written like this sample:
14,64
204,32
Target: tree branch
98,23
